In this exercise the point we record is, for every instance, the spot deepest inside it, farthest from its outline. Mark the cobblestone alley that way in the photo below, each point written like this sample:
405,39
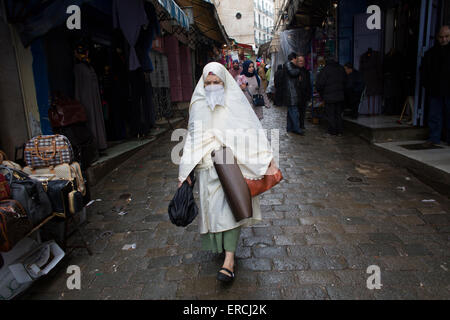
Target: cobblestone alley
321,231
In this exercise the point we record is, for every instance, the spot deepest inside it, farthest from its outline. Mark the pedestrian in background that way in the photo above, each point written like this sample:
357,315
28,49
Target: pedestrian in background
279,85
292,93
330,84
435,71
255,87
236,69
243,84
305,90
354,89
262,75
218,108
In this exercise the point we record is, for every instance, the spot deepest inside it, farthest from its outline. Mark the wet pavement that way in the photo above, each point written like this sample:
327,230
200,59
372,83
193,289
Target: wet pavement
341,208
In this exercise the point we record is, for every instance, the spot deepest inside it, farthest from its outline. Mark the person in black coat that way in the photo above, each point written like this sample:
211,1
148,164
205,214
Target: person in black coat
305,90
354,89
435,72
330,84
292,93
279,85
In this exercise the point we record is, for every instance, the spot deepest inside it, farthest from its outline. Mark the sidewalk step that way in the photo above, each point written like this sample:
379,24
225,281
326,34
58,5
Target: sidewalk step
384,129
432,166
119,153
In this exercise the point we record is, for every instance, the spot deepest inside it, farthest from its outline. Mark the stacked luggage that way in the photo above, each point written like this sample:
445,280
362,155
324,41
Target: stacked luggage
42,196
51,184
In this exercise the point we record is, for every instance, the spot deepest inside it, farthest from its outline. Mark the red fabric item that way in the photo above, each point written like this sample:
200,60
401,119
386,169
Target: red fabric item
268,182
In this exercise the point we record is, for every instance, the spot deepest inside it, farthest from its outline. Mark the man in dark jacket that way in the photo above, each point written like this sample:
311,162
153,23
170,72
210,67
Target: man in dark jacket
305,90
435,71
292,93
354,89
330,84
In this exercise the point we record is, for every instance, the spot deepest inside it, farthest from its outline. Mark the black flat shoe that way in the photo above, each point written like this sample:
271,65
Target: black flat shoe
223,277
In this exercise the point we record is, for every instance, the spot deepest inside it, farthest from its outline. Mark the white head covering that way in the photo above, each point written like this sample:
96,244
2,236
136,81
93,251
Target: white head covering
234,125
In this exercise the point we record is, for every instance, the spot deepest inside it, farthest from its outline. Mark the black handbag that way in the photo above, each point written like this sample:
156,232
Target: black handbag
30,193
258,100
182,208
58,191
64,196
76,200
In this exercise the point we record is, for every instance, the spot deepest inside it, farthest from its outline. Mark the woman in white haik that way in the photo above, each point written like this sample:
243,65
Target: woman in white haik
220,115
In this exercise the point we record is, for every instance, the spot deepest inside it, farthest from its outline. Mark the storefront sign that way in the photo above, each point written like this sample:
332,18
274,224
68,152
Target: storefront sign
74,21
374,21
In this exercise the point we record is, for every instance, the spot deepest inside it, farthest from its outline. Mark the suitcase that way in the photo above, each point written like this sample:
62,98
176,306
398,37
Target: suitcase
30,193
47,151
5,191
14,224
63,171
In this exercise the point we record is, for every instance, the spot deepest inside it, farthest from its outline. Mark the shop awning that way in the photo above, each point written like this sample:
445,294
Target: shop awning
175,12
310,13
206,19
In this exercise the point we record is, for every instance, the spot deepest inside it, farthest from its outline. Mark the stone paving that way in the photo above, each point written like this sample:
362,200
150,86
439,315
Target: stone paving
319,235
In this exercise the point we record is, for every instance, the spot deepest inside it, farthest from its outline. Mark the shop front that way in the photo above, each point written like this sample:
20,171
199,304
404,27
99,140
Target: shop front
106,67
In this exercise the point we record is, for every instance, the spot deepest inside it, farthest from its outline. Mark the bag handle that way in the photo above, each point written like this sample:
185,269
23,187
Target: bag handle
36,148
11,173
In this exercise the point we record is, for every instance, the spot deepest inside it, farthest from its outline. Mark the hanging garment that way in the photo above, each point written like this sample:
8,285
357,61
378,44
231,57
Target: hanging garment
147,35
130,16
88,93
372,70
137,92
149,106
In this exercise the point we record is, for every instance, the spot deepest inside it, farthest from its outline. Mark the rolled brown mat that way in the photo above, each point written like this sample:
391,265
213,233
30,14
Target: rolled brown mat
233,183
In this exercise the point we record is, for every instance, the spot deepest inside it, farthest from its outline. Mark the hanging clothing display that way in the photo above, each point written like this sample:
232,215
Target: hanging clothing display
142,106
88,93
371,68
130,16
392,78
160,84
147,35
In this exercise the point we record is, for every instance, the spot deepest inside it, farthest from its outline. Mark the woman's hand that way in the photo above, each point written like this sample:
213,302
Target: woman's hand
273,169
181,183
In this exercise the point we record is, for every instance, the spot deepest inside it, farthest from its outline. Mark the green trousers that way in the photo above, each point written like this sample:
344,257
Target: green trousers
217,242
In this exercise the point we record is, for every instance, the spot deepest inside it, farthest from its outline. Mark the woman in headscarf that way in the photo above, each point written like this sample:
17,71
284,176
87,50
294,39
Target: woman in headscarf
220,115
243,84
255,86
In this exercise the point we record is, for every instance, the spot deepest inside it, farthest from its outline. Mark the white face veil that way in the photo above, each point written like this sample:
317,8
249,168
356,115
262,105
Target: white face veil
234,125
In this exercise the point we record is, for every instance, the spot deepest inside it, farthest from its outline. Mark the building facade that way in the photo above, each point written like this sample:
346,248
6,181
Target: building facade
264,13
247,21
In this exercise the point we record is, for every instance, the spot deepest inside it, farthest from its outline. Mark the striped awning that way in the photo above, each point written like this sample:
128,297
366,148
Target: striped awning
175,12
